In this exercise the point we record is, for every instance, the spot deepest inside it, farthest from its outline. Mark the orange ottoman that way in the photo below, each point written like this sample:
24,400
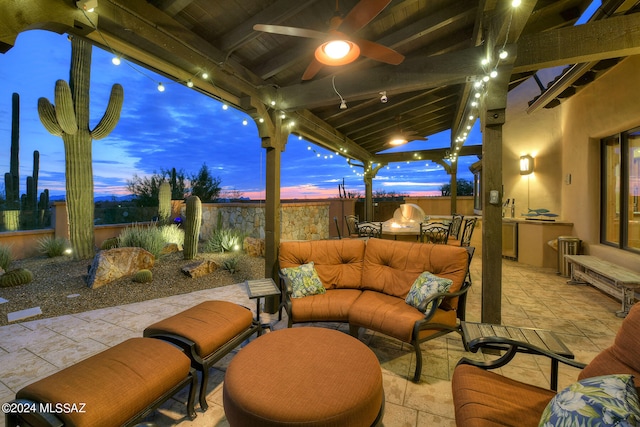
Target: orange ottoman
119,386
206,332
308,376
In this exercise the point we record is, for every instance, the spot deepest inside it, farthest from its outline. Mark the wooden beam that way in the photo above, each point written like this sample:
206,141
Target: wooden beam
422,155
608,38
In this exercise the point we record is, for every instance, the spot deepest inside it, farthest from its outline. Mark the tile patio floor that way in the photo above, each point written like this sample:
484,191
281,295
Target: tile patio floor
532,297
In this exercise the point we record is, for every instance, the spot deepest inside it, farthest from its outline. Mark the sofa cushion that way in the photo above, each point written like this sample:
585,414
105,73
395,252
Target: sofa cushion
425,286
392,316
608,400
391,266
338,262
332,306
622,356
304,280
484,398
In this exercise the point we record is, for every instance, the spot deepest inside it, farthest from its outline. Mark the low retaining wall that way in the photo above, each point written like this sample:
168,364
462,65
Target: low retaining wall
299,221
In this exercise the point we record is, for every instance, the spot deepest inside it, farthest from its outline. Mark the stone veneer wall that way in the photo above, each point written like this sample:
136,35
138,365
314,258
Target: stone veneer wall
299,221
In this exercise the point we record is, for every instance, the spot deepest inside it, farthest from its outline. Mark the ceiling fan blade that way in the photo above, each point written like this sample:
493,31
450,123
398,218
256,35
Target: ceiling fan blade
379,52
361,14
312,69
290,31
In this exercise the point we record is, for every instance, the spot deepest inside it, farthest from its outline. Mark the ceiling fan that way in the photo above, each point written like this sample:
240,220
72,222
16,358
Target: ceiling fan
339,45
401,136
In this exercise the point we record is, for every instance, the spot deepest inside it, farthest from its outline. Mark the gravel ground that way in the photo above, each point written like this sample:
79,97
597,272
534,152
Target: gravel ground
59,286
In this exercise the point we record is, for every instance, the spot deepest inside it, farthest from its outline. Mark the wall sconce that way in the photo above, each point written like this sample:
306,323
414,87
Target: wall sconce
526,164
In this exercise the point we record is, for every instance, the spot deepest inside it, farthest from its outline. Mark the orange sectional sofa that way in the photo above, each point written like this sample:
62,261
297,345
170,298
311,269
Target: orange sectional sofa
366,284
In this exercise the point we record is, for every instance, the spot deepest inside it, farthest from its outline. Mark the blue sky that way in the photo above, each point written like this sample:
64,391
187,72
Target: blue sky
177,128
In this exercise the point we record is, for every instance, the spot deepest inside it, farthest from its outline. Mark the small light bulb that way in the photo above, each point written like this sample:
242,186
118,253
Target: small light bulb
471,117
160,87
503,54
477,95
189,83
493,74
225,106
485,61
485,79
115,60
273,103
244,122
205,75
516,3
261,120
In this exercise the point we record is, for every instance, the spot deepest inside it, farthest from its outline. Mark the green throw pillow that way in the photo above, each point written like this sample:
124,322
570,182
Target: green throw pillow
425,286
608,400
304,280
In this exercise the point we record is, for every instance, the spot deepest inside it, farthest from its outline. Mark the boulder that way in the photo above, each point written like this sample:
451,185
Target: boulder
170,248
113,264
199,269
253,246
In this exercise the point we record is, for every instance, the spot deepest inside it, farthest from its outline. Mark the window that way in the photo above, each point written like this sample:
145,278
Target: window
620,225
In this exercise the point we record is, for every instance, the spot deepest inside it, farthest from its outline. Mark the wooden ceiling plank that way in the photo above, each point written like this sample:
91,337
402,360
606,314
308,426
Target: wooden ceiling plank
274,14
417,73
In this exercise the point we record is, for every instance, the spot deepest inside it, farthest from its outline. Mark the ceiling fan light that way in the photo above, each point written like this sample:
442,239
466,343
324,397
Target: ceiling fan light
337,52
336,49
398,140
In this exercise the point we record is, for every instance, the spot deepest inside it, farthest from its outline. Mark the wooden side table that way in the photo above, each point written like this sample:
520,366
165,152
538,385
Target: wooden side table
261,288
513,340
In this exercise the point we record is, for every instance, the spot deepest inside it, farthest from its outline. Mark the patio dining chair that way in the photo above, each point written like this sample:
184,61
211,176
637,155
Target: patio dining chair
369,229
435,232
456,222
351,221
467,231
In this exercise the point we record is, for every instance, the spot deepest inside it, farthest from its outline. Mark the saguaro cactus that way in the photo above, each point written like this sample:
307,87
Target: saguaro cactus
69,119
12,178
192,224
164,203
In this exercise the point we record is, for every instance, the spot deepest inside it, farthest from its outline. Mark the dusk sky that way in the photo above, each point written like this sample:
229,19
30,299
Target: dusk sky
178,128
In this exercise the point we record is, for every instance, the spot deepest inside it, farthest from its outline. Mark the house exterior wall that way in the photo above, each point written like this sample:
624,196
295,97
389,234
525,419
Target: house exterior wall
566,141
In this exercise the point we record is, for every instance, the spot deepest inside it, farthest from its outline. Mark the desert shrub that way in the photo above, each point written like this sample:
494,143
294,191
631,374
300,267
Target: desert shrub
143,276
52,246
19,276
173,234
224,240
231,264
146,237
110,243
5,257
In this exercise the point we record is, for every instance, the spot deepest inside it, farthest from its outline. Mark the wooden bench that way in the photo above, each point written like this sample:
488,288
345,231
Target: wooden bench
608,277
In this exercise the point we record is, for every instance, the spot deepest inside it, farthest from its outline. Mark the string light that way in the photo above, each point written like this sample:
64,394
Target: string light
161,87
189,83
115,60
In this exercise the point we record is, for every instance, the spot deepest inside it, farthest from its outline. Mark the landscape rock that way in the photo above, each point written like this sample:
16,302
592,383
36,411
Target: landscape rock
199,269
253,246
170,248
113,264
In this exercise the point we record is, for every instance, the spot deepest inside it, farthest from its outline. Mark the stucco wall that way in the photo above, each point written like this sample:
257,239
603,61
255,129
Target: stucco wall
566,141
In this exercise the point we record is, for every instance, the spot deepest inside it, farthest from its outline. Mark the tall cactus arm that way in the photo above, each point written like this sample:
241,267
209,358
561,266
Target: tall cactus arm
111,115
65,109
47,114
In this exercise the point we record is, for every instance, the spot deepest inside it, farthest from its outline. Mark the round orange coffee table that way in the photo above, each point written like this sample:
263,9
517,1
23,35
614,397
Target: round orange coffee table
306,375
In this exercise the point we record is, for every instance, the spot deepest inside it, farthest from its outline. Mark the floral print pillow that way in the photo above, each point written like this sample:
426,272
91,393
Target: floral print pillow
425,286
608,400
304,280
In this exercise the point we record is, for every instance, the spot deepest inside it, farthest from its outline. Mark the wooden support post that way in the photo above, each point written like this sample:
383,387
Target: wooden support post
274,144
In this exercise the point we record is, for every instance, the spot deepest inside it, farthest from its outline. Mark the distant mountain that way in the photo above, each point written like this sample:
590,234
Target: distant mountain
126,198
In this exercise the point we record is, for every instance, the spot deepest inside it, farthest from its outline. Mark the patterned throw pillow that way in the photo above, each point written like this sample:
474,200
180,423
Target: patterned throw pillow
304,280
608,400
425,286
